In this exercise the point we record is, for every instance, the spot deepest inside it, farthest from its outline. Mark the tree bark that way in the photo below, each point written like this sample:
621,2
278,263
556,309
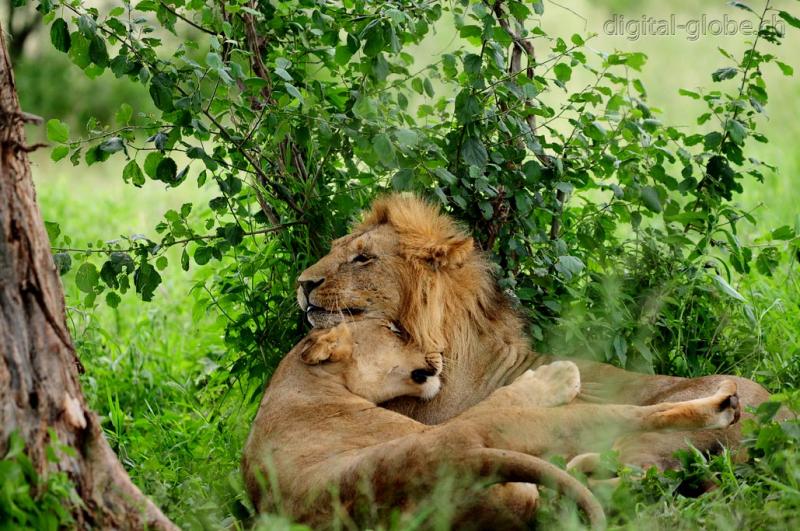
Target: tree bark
39,386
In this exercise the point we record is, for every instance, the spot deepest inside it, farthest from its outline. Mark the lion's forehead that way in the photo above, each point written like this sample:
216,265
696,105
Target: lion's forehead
379,237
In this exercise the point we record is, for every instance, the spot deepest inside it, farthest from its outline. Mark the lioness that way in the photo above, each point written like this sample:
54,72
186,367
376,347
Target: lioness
409,263
319,427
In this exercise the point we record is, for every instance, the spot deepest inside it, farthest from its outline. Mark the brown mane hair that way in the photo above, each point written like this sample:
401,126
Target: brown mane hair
449,295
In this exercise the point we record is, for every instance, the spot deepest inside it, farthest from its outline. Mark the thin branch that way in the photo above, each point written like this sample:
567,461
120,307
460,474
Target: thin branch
109,250
188,21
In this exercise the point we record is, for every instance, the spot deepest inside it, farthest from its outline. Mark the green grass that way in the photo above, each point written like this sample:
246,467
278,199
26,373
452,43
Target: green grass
179,426
150,367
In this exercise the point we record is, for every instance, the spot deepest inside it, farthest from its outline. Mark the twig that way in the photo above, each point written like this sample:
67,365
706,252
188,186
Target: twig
188,21
33,147
109,250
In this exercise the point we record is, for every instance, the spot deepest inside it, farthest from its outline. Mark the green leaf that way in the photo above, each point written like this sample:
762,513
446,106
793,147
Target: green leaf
786,69
202,255
406,138
86,277
98,53
384,150
767,261
742,5
650,198
474,152
167,170
112,299
783,233
124,114
569,266
53,230
533,171
63,263
373,40
112,145
143,75
790,19
292,90
403,180
563,72
727,289
445,176
146,279
151,162
161,92
470,31
282,73
724,73
57,131
87,26
736,131
342,55
472,63
365,108
428,86
467,106
691,94
59,152
59,35
132,173
233,234
79,50
213,60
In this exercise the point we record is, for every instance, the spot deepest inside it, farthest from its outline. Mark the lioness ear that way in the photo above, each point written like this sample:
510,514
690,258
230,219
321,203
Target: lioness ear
450,254
331,345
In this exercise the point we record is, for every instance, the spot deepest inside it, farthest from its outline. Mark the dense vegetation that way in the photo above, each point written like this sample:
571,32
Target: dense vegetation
620,233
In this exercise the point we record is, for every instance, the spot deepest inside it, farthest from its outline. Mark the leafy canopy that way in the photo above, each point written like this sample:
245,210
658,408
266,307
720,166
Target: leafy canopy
298,112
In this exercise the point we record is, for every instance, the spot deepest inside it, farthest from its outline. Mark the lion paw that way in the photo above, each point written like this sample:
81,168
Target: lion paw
726,406
550,385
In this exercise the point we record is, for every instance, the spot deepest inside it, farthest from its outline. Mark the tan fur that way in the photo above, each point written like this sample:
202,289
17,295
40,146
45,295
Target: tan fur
313,433
426,274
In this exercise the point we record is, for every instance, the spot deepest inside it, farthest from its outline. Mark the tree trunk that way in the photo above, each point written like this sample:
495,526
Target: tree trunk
39,387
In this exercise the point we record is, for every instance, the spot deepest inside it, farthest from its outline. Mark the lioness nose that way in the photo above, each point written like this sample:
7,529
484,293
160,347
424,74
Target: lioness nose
309,285
420,376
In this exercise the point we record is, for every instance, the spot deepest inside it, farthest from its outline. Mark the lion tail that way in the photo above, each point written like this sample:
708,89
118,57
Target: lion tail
508,466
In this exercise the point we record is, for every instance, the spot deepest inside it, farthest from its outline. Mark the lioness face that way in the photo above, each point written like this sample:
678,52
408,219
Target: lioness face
376,361
356,279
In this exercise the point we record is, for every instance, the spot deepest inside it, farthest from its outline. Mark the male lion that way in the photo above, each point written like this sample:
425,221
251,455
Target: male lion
409,263
319,428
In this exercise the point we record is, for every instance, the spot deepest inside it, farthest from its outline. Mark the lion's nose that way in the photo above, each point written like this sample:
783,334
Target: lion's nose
420,376
309,285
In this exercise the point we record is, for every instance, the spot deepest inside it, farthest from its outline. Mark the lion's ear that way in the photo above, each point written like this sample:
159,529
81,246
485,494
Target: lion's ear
450,254
331,345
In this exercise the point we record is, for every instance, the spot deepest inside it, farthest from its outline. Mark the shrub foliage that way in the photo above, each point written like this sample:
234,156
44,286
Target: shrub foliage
616,231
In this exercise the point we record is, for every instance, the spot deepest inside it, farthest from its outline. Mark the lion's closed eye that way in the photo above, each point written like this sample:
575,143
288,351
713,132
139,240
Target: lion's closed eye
362,258
398,330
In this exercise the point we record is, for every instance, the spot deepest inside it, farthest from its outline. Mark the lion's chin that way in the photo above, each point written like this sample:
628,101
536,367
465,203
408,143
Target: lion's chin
322,318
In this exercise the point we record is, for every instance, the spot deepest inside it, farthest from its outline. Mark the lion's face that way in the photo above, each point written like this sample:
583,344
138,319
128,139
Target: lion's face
408,263
375,360
356,279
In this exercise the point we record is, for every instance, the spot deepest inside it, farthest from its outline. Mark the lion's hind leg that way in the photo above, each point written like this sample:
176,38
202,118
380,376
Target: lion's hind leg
707,423
719,410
